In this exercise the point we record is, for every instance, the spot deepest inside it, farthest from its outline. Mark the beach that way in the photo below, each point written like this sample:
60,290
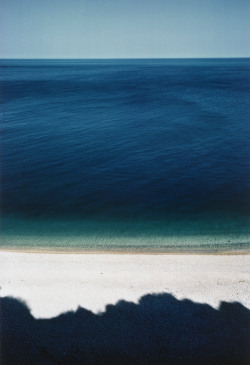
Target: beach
54,283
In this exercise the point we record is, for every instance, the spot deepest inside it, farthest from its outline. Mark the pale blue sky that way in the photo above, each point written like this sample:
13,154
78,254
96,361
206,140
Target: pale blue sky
124,28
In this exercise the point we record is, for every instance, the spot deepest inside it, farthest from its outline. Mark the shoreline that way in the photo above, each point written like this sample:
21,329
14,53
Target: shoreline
84,251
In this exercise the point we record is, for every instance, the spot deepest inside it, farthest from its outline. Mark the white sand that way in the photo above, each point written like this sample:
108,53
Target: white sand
54,283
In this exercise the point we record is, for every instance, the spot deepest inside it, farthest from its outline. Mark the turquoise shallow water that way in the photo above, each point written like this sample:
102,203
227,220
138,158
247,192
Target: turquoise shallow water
127,155
177,234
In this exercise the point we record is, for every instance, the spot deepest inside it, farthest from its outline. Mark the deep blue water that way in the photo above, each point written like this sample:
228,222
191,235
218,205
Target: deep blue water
126,151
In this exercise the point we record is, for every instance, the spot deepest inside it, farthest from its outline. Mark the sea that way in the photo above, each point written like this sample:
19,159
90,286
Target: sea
128,155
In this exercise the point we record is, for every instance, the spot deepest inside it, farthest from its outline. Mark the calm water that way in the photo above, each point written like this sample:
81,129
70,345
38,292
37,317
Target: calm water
126,154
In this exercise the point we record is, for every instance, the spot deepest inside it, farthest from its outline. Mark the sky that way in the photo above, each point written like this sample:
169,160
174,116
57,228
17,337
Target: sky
124,28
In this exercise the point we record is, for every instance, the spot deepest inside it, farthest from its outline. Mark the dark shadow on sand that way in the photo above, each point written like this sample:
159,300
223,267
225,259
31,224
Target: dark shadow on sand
158,330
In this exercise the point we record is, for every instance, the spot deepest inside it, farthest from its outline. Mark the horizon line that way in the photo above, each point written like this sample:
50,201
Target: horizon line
120,58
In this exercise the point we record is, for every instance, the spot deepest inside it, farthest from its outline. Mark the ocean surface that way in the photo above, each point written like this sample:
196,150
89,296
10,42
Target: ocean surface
125,155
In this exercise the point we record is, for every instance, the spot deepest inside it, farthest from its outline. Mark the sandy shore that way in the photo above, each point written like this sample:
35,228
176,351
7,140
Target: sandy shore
51,284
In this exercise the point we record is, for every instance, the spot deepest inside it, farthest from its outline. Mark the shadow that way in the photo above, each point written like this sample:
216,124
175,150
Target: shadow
158,330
